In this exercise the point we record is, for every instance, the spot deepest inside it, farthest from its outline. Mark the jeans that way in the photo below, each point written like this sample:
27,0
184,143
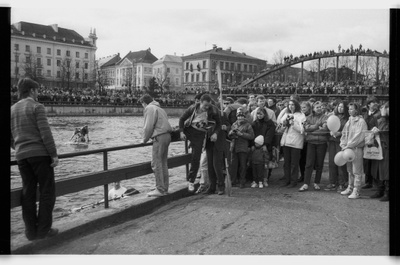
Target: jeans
204,178
215,161
196,139
291,166
303,159
367,163
239,160
159,161
337,175
34,171
315,158
356,169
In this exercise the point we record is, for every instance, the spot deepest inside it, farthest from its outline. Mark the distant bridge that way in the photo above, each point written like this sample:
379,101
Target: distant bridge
318,57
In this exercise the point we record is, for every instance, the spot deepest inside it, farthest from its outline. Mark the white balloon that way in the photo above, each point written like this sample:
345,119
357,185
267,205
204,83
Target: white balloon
339,159
349,155
333,123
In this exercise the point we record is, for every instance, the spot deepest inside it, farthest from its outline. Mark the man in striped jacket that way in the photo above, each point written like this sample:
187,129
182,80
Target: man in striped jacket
36,154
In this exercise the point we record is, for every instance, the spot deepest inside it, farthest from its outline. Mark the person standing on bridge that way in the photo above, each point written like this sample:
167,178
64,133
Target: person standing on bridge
36,155
157,127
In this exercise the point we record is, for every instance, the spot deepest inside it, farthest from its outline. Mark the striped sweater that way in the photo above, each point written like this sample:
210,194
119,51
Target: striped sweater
30,131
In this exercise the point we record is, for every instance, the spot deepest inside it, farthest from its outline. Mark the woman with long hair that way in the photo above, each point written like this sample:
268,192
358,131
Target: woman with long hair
292,142
338,175
306,109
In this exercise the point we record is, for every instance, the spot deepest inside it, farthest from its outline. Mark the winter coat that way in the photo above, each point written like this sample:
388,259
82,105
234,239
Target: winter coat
314,134
381,167
155,121
293,136
266,129
270,112
258,156
213,114
241,143
353,133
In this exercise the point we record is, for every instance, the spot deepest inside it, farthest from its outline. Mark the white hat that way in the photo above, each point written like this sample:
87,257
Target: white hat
259,140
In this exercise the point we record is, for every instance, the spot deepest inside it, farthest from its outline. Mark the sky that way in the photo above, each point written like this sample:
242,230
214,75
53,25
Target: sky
183,27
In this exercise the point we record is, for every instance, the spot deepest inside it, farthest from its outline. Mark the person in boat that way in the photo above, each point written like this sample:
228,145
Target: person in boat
81,134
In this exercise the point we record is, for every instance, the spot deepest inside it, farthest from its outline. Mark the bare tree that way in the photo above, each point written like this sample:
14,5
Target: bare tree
278,58
33,67
162,77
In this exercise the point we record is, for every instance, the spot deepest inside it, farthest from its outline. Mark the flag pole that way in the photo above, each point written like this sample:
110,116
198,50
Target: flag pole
228,184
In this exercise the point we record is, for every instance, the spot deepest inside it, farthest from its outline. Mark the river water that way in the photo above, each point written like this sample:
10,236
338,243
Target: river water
103,132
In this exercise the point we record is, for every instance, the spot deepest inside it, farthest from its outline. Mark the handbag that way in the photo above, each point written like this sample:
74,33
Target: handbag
373,150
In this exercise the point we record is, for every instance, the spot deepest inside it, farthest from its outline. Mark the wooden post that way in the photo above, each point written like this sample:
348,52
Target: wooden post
105,167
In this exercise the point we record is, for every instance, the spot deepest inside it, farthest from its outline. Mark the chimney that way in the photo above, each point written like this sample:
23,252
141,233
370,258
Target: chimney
55,27
149,50
214,46
229,49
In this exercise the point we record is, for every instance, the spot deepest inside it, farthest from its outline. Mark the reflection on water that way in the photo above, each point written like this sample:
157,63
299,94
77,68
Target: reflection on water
103,132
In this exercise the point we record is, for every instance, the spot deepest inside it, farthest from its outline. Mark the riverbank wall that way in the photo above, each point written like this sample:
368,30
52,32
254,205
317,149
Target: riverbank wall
104,110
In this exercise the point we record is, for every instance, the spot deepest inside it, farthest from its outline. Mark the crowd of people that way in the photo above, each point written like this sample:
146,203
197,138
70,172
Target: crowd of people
326,88
55,95
255,133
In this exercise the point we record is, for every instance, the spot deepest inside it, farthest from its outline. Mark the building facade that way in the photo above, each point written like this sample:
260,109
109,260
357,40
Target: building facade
106,75
168,72
134,70
53,56
199,70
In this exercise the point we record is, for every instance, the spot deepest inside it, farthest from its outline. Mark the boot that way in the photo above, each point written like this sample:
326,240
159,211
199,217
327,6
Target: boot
378,194
385,197
354,194
347,191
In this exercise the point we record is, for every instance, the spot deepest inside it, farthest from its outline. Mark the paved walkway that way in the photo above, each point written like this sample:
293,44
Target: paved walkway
269,221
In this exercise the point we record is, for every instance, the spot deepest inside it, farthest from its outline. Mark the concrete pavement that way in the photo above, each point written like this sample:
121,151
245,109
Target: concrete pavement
253,221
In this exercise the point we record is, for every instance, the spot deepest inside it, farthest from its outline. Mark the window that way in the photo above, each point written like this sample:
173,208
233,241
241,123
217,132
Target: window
39,61
77,54
204,64
239,67
197,77
245,67
86,76
28,59
232,66
168,69
48,72
187,65
58,52
177,81
39,72
86,65
49,62
77,65
16,58
58,74
39,49
16,47
68,64
27,48
86,55
255,68
77,75
250,68
221,65
192,78
204,76
68,53
226,66
48,50
58,62
187,77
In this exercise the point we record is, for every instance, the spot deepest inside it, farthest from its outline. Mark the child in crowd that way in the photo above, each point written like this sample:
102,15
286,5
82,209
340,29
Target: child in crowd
241,133
259,158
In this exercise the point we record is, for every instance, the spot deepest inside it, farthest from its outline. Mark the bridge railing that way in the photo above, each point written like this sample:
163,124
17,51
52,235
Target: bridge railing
91,180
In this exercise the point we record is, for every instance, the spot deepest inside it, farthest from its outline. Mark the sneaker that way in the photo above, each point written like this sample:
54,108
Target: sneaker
265,183
201,188
260,185
316,186
52,232
191,187
254,184
347,191
303,188
221,192
330,187
354,194
155,193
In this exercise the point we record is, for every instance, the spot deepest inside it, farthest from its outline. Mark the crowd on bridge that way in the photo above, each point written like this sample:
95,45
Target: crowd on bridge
256,133
350,51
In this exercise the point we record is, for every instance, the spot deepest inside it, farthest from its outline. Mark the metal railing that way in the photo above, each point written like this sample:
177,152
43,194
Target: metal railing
91,180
